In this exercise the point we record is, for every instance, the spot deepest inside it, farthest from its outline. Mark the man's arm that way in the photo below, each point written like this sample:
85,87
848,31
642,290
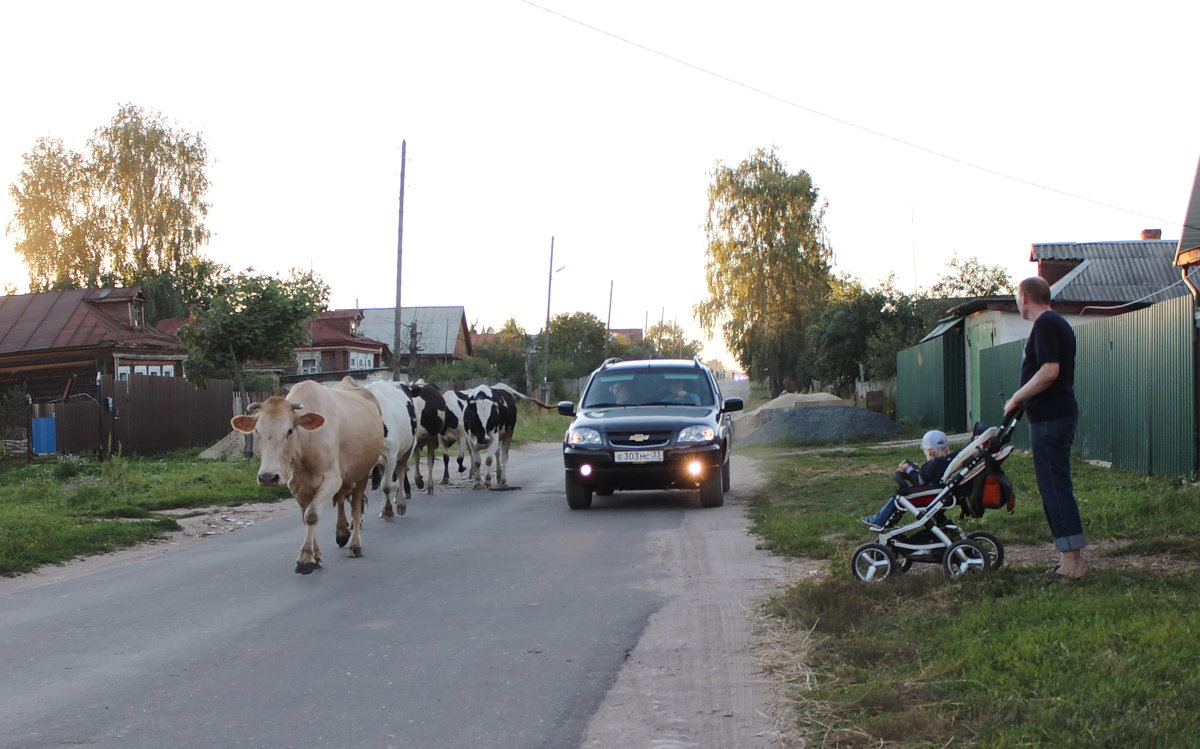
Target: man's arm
1042,379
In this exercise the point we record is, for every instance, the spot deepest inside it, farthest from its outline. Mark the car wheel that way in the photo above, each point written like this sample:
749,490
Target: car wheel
579,496
725,482
710,490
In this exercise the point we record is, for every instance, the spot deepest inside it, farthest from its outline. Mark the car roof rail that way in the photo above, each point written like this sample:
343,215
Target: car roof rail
611,361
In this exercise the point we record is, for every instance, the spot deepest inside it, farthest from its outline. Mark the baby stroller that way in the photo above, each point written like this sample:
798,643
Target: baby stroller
972,481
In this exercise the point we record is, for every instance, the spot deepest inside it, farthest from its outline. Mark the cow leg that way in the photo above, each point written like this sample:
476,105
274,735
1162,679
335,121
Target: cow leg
502,461
382,477
358,503
445,467
343,526
309,558
429,468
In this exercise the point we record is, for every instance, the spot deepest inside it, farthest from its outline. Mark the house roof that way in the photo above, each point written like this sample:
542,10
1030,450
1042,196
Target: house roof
440,328
1117,272
324,333
75,319
1188,251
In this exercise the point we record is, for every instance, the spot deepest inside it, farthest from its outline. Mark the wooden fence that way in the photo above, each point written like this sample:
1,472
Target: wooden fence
143,416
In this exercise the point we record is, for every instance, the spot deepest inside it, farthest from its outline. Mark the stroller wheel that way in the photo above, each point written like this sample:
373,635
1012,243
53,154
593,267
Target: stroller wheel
965,557
991,546
873,562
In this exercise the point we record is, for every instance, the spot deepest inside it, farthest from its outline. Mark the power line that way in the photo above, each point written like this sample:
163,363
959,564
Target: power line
848,123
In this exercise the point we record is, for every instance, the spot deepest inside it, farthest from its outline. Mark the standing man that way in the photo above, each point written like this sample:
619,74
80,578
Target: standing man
1048,396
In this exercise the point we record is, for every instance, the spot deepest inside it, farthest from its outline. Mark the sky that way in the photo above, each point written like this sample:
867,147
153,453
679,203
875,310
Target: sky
931,129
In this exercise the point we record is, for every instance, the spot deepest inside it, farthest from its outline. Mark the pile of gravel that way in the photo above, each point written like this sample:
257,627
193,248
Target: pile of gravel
811,424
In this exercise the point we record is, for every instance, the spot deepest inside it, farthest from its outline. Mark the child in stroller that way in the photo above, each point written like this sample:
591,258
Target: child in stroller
972,480
908,475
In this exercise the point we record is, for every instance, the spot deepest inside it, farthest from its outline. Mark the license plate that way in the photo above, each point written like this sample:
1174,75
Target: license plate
638,456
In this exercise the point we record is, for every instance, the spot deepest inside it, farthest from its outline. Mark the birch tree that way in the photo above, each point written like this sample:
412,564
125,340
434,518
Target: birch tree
768,265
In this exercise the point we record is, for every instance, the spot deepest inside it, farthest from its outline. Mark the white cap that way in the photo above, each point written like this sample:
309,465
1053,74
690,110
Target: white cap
934,440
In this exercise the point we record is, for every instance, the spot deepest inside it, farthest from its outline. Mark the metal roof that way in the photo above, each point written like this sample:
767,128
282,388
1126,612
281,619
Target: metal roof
74,319
1132,271
1191,222
440,328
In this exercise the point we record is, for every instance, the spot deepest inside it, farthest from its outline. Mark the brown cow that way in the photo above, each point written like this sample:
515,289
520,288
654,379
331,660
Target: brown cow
322,442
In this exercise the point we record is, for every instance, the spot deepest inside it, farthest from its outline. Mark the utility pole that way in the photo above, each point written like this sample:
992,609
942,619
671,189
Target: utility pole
546,338
396,323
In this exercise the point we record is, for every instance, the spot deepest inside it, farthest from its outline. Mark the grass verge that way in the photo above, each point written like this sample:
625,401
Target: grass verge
52,512
1009,658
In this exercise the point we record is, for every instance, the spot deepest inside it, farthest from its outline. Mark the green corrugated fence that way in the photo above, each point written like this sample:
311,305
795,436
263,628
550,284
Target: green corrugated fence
1135,383
931,390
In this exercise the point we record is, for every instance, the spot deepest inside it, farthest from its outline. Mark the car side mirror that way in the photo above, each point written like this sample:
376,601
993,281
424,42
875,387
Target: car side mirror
732,404
566,408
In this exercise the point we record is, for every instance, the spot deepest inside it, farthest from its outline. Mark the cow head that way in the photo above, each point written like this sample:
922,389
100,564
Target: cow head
275,422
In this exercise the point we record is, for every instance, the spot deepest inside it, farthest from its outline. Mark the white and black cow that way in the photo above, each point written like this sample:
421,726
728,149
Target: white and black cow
490,419
433,420
456,433
400,425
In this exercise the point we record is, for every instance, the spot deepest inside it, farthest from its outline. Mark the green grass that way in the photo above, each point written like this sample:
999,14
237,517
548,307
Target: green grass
52,512
539,425
1009,658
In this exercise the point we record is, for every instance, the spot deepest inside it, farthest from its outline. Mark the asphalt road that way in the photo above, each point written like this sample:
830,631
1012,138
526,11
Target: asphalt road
481,619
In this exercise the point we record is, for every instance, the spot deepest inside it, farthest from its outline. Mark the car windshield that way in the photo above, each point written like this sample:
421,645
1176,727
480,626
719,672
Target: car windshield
687,387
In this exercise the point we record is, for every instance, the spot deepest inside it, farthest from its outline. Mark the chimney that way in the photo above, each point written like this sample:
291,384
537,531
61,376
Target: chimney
1151,234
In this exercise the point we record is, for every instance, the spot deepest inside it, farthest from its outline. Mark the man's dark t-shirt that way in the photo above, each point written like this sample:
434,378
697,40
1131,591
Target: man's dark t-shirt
1051,340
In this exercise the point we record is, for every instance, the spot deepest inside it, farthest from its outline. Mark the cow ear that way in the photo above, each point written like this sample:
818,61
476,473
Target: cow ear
244,424
310,421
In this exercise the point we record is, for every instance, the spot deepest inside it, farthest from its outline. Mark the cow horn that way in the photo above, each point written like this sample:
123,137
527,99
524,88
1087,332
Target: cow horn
253,408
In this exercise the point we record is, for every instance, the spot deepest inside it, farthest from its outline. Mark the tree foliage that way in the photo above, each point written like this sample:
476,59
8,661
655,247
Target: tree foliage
667,341
252,317
577,344
768,265
130,208
508,353
970,278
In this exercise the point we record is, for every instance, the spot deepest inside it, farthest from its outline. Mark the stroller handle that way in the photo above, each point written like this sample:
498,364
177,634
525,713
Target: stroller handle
1008,425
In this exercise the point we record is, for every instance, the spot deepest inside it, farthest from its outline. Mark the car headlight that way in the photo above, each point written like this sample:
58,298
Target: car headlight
698,433
583,436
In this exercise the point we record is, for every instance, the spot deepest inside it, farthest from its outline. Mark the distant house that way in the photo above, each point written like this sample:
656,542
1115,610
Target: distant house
337,345
436,334
56,343
630,334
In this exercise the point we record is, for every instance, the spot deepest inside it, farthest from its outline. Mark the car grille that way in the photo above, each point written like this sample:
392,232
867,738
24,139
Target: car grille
648,439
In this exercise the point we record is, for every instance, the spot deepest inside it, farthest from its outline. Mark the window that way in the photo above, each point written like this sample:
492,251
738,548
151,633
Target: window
154,370
308,365
135,315
168,370
359,360
123,373
139,369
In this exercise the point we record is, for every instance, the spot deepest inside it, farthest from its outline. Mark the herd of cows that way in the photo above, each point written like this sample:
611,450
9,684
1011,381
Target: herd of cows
327,443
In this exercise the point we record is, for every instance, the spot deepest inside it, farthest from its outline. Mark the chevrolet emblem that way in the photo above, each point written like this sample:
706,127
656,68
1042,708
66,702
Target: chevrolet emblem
638,437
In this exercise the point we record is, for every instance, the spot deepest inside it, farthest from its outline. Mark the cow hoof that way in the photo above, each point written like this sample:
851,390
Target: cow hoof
477,485
306,568
420,482
342,538
403,509
355,553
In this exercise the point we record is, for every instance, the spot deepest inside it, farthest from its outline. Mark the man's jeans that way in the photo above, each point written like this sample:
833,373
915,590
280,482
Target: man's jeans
1051,442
